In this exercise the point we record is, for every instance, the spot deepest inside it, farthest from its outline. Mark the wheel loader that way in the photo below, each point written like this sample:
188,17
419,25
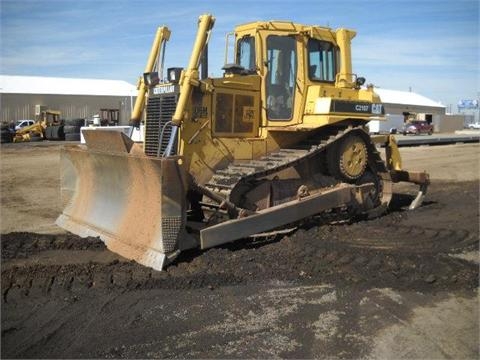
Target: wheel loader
280,138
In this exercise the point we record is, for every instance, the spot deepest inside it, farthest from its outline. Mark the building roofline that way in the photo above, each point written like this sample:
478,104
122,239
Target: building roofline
15,84
388,96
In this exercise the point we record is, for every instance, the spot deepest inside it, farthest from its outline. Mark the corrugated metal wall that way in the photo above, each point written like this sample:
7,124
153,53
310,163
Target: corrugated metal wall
22,106
400,108
448,123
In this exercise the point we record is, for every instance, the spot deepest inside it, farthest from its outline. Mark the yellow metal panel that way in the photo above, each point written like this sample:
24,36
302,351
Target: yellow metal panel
394,159
240,116
322,33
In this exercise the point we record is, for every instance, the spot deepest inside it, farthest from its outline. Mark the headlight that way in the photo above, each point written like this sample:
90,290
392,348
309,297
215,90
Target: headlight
151,79
173,75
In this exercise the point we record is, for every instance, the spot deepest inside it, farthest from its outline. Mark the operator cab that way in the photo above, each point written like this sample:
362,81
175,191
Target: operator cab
301,68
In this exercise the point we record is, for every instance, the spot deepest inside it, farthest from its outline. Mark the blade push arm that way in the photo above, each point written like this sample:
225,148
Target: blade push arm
161,37
190,76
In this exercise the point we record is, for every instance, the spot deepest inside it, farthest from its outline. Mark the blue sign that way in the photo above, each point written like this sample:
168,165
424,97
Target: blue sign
468,104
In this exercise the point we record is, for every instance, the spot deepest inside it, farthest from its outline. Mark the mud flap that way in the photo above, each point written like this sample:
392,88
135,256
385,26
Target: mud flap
134,203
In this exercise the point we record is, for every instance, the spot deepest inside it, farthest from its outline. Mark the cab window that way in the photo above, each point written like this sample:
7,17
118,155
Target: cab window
246,53
322,60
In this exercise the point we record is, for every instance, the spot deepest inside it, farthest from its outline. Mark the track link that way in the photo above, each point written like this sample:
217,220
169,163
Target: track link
225,181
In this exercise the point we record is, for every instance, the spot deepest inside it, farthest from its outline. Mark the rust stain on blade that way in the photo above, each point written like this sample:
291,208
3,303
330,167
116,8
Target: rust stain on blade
140,224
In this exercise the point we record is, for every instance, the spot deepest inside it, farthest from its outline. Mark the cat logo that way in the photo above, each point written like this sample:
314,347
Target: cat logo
377,109
164,89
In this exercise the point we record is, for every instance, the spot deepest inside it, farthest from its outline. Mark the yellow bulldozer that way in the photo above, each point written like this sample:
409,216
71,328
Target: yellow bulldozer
37,130
279,138
28,133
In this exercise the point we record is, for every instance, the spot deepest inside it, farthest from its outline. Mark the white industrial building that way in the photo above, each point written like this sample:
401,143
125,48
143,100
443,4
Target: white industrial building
397,103
23,96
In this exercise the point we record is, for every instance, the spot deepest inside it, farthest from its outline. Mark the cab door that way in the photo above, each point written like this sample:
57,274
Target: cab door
280,78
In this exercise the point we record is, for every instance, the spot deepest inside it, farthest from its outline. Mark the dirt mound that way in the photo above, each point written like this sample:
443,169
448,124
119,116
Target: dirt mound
394,251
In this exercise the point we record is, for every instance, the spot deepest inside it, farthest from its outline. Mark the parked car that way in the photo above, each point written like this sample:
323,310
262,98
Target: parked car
474,126
417,127
19,124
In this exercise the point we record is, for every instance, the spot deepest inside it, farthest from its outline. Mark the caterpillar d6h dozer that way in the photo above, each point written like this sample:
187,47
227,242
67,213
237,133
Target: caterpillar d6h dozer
279,138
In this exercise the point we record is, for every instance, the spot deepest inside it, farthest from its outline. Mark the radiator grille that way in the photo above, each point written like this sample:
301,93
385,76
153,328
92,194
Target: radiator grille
160,110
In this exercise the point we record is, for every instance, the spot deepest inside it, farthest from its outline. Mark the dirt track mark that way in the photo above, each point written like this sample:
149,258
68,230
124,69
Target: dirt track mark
309,256
406,238
23,244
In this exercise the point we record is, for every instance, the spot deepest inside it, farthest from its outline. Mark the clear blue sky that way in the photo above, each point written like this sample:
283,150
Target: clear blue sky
430,46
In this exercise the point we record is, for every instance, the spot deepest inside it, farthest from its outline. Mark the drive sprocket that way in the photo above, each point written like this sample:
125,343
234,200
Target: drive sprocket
348,158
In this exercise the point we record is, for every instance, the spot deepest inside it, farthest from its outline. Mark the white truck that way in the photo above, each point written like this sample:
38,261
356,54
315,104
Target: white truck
391,125
20,124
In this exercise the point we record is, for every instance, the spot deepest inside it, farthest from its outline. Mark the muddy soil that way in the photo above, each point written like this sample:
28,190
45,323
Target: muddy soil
404,285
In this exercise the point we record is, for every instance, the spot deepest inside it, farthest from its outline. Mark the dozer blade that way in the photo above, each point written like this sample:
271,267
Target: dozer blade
134,203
